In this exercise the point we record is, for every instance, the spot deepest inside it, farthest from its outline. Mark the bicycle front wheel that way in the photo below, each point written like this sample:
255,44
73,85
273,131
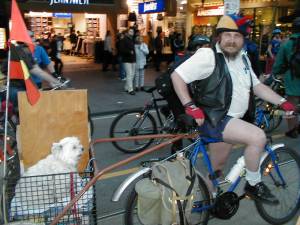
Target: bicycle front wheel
133,123
284,183
198,216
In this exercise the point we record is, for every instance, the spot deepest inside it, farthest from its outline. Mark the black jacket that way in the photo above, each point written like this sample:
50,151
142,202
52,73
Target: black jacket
126,49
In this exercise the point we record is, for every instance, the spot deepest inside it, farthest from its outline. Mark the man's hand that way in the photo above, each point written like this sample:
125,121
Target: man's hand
196,113
288,106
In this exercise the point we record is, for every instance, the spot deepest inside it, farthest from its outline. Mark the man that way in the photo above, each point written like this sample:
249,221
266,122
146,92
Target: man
221,83
292,83
108,51
128,58
158,47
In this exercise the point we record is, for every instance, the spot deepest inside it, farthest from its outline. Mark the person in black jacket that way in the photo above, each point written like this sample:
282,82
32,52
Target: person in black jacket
158,47
127,53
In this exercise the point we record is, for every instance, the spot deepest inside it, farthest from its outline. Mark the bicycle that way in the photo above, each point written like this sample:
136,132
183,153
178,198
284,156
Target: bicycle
141,122
266,113
280,168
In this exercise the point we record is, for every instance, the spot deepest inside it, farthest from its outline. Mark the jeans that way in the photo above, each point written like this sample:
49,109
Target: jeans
130,71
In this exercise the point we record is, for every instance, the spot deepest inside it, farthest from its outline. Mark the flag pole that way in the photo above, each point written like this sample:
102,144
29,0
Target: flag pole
5,138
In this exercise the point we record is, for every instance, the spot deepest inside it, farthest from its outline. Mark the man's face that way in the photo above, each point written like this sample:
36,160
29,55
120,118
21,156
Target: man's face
231,43
130,32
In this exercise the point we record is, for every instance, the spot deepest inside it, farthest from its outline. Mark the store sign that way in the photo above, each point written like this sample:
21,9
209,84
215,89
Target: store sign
62,15
211,11
69,2
152,7
2,38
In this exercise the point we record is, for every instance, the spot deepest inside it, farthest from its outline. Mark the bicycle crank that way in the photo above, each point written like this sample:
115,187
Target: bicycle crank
226,205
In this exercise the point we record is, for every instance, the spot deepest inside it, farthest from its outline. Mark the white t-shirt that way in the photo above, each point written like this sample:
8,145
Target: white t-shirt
201,66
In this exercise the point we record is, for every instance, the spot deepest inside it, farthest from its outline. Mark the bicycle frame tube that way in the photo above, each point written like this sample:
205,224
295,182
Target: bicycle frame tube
270,152
155,106
200,147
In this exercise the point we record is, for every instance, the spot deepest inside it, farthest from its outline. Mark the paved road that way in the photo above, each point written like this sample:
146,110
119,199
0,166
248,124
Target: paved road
106,154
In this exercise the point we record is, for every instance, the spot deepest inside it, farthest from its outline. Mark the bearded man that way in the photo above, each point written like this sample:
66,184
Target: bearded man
222,83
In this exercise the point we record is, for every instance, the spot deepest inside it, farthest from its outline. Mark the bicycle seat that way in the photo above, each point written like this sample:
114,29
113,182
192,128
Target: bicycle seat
149,89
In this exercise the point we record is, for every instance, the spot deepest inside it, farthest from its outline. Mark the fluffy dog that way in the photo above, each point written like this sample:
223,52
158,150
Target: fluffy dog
51,180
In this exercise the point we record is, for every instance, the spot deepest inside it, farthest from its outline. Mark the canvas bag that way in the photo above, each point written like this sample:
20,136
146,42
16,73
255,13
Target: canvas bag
167,198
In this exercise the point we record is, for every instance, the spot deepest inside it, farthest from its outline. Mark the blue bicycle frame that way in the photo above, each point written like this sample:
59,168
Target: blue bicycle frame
200,148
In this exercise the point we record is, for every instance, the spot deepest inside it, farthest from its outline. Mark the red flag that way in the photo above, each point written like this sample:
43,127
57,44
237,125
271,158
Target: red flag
18,67
18,30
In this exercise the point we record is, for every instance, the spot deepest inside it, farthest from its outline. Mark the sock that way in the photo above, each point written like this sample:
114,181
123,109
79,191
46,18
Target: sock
253,177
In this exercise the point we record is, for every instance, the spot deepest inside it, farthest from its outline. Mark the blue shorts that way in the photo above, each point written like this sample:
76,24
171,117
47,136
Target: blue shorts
207,130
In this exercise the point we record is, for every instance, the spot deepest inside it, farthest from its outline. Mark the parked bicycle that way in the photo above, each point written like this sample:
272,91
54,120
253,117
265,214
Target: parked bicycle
280,168
142,122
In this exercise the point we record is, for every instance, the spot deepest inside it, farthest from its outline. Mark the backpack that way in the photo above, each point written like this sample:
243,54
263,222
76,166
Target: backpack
167,197
295,59
163,82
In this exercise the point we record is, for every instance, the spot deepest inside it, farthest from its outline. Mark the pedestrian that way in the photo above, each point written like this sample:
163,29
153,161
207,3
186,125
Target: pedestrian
122,73
178,46
141,52
291,82
273,49
127,52
222,84
158,47
73,40
55,54
108,51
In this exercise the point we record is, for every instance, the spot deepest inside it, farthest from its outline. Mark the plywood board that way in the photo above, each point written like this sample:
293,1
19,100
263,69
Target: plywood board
56,115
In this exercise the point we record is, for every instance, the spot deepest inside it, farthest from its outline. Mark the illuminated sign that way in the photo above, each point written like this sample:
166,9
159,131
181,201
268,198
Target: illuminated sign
2,38
152,7
62,15
69,2
211,11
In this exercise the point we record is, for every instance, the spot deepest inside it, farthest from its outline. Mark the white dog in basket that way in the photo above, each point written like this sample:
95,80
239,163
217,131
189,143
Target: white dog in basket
51,181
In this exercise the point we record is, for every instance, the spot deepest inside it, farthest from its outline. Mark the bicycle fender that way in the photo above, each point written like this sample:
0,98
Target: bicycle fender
118,193
273,148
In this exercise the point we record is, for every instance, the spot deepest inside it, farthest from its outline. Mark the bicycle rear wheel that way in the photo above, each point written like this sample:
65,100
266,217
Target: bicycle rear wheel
133,123
287,190
201,217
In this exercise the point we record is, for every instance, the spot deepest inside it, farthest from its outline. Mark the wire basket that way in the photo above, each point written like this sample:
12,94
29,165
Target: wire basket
39,199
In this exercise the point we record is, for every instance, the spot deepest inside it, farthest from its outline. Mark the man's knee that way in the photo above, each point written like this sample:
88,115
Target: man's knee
258,138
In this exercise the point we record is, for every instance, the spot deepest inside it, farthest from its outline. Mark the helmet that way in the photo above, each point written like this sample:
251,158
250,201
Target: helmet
276,31
197,41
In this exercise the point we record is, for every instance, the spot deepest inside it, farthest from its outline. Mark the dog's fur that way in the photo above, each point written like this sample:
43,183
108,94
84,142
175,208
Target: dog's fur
35,191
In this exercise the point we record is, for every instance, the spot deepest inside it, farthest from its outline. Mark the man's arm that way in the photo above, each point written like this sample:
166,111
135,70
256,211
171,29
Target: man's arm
264,92
36,70
181,88
182,92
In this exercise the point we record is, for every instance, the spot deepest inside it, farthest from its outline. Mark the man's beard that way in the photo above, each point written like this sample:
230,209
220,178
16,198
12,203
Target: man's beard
231,55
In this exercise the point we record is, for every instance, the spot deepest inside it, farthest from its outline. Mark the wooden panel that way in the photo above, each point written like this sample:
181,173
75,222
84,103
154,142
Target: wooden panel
56,115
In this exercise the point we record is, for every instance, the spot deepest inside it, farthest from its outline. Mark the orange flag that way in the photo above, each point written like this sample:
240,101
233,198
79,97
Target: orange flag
18,67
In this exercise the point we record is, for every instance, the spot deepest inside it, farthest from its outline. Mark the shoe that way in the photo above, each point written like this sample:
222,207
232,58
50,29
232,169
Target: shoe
136,89
260,192
142,89
293,133
131,92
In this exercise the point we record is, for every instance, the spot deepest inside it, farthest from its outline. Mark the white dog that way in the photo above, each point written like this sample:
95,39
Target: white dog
51,180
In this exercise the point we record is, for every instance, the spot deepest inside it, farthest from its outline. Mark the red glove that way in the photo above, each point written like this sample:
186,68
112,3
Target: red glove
288,106
194,112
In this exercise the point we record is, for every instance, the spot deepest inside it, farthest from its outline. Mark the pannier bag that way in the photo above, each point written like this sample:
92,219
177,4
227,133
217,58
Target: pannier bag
167,197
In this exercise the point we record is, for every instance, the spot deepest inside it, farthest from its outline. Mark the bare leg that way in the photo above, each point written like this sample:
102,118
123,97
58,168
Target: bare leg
218,154
239,131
